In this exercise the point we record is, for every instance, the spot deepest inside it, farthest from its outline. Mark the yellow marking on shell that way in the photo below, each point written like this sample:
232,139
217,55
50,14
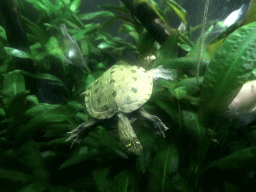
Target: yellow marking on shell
133,89
101,104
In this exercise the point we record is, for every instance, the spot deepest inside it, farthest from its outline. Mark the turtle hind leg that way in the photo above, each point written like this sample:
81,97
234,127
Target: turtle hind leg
159,126
127,135
81,131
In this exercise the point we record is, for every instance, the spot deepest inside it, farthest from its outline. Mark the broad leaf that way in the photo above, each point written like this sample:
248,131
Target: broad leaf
182,13
18,53
34,160
242,159
228,70
16,176
13,84
103,179
163,169
126,181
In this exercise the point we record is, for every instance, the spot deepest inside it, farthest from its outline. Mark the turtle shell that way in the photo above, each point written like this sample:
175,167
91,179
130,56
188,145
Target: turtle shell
122,88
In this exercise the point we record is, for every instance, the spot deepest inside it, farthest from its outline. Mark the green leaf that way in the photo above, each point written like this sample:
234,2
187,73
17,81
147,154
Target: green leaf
19,121
185,63
75,5
45,76
18,104
180,92
193,124
191,85
57,142
2,112
199,47
58,131
5,145
229,69
34,160
35,187
168,50
59,188
103,179
109,23
3,33
106,45
115,8
74,17
44,6
25,132
126,181
146,41
154,7
196,131
241,159
94,15
130,29
13,84
48,155
17,53
82,116
182,13
250,15
73,107
89,30
103,141
146,154
40,109
234,187
82,184
53,47
163,168
82,156
4,65
15,176
163,101
32,99
37,31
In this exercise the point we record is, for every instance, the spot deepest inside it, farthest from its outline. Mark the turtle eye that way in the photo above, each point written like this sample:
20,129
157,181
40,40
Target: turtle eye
114,94
112,81
134,90
230,111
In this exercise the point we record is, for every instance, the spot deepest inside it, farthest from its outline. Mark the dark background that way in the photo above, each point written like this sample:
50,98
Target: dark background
195,9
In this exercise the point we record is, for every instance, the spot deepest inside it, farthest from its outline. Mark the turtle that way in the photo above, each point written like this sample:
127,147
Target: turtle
119,91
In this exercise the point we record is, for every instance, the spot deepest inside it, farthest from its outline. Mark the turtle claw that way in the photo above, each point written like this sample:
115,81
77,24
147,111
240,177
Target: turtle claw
159,126
82,130
74,136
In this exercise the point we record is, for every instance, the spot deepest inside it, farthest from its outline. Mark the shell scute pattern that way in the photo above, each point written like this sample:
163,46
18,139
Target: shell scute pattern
133,87
121,88
99,100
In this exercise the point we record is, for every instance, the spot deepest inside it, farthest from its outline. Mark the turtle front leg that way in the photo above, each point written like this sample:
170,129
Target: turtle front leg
127,135
159,126
162,73
82,130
